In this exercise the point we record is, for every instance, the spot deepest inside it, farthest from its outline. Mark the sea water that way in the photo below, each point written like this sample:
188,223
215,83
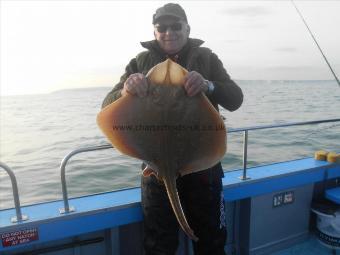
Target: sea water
37,131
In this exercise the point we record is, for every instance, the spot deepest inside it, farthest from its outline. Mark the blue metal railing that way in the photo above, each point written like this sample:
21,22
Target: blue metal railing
19,216
67,207
246,129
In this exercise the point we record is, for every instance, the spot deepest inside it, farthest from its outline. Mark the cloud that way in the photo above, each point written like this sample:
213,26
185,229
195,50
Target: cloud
233,41
296,68
250,11
286,49
307,72
280,72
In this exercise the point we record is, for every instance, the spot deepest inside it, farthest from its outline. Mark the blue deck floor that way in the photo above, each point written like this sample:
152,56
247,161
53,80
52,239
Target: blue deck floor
310,247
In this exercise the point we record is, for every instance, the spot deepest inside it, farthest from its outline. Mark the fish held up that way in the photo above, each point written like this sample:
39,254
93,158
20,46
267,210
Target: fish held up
174,134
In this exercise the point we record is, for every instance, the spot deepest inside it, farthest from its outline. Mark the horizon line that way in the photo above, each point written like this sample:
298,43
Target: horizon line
98,87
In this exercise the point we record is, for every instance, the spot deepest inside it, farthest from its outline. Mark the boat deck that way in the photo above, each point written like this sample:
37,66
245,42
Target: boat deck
308,247
255,224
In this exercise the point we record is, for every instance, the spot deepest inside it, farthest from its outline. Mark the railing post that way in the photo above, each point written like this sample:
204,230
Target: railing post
245,148
67,208
19,216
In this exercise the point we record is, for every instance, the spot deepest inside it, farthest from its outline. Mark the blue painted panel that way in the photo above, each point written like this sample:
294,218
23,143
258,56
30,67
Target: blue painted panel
256,188
333,195
69,226
278,176
333,171
43,211
275,170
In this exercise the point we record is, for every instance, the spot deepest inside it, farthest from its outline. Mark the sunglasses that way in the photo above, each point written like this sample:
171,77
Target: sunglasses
174,27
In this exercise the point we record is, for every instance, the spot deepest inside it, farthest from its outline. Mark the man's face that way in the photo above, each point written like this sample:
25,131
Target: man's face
171,34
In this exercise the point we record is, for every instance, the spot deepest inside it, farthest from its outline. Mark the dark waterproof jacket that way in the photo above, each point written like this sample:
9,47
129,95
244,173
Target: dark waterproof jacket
193,58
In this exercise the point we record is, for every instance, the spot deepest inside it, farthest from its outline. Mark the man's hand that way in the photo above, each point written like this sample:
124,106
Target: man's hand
194,83
136,84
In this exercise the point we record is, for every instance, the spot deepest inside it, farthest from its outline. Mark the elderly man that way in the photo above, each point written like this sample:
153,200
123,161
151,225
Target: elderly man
200,193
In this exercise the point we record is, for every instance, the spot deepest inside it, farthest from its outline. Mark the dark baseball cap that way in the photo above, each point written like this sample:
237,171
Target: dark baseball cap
170,9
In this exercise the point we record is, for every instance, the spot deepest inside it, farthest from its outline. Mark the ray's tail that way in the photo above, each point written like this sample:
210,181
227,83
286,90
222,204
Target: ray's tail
170,184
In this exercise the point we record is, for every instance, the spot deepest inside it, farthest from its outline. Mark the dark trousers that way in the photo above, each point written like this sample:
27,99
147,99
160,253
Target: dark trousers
202,201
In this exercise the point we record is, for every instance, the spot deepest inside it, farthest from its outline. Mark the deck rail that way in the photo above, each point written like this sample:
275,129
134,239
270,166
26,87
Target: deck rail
245,131
67,208
19,216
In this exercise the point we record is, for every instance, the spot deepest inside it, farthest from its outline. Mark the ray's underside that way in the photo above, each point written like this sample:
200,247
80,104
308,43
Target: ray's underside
168,129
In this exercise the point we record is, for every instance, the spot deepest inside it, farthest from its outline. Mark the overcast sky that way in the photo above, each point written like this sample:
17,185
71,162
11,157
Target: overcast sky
52,45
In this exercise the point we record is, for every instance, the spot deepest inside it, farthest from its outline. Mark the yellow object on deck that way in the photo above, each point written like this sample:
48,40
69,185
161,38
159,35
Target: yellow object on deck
321,155
332,157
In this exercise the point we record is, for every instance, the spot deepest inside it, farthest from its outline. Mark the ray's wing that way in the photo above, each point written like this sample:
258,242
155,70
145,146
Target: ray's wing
111,121
210,146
